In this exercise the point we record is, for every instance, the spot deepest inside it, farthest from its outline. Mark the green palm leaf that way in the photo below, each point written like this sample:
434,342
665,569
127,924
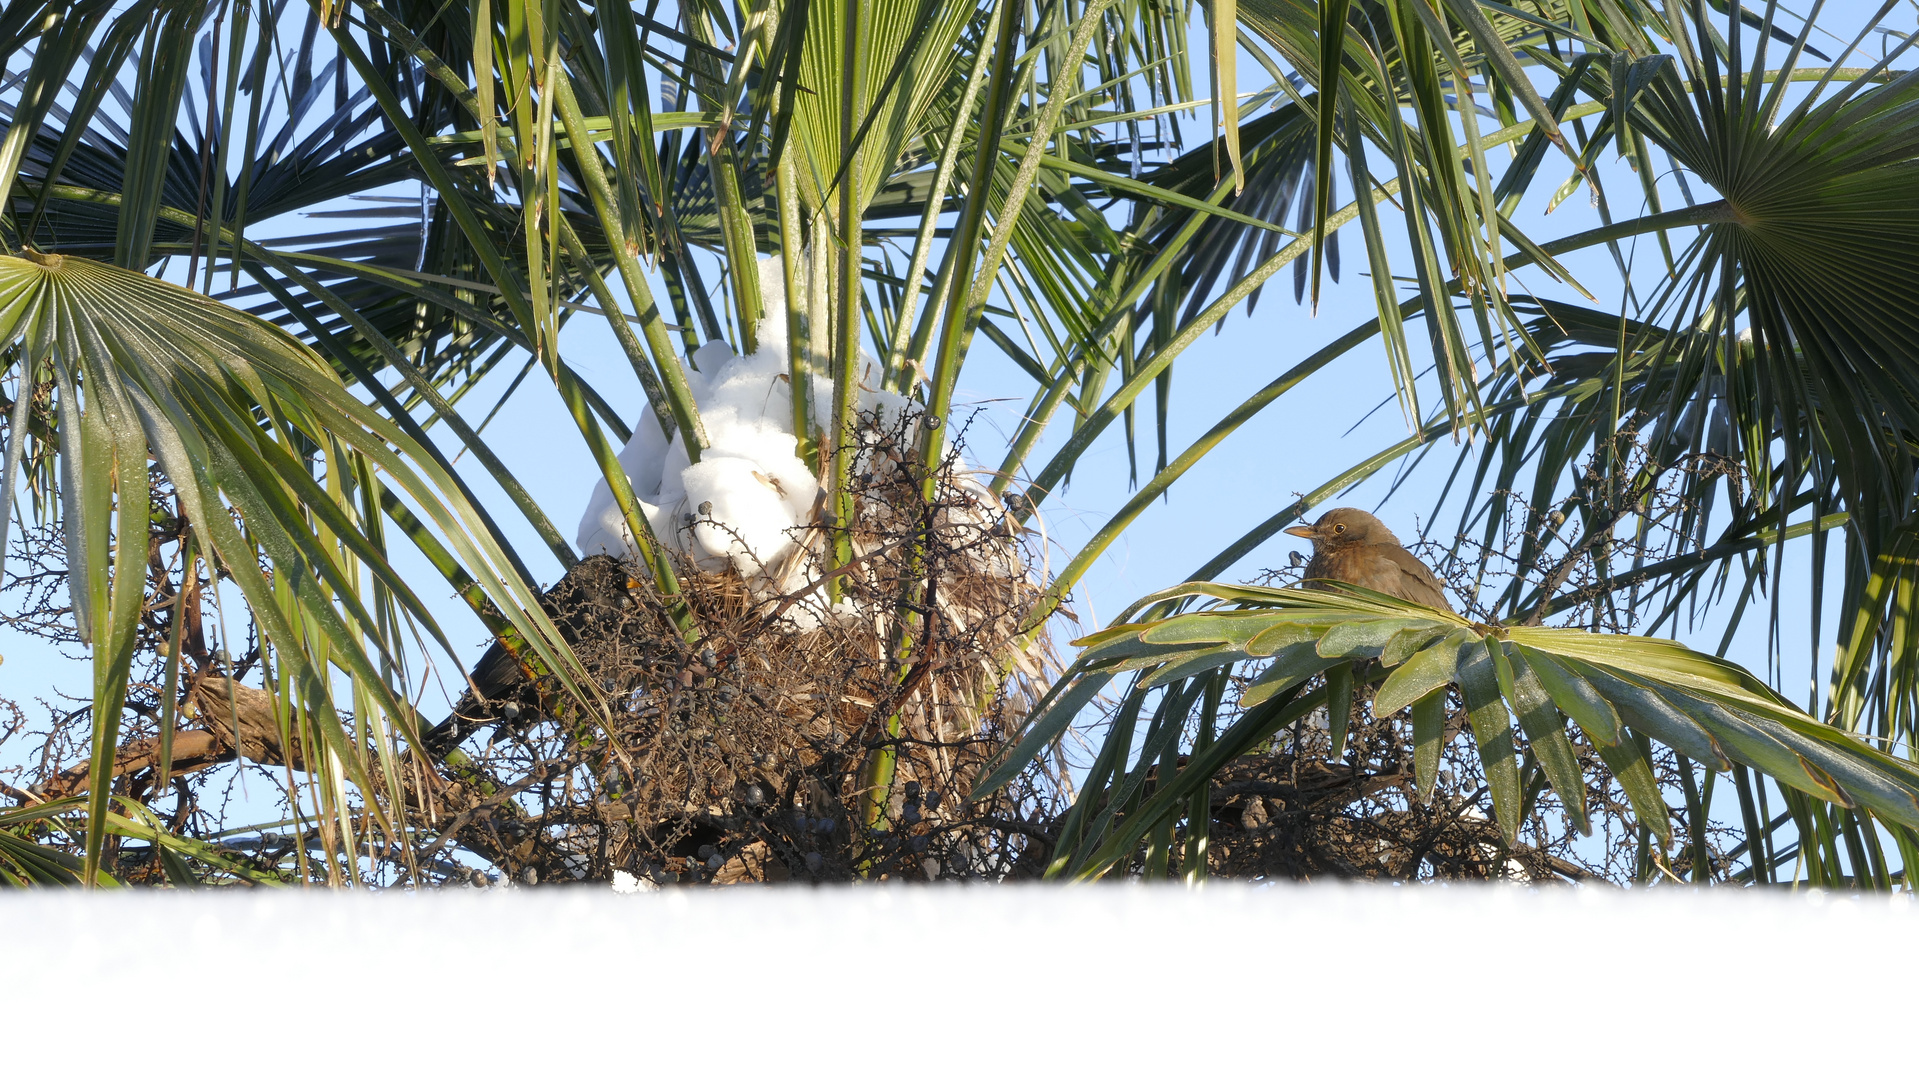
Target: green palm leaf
1611,686
282,473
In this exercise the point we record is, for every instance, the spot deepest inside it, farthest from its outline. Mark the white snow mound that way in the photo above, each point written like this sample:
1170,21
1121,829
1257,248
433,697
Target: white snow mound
742,504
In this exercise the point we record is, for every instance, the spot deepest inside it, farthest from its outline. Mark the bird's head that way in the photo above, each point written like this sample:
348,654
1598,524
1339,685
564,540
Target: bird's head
1345,527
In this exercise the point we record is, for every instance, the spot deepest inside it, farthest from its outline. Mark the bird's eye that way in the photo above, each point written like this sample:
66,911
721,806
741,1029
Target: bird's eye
1339,528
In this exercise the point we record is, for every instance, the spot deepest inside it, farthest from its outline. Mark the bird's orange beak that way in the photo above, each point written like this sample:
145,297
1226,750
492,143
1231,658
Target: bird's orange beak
1300,530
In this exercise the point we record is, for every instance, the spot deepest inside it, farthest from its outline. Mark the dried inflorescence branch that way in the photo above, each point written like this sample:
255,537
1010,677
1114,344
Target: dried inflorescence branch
1292,812
1578,557
751,749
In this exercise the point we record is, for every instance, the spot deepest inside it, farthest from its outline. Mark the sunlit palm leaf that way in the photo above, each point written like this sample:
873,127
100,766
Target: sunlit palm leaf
1608,685
23,861
268,454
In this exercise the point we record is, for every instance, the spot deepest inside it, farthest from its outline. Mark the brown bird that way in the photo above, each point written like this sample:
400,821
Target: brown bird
1355,547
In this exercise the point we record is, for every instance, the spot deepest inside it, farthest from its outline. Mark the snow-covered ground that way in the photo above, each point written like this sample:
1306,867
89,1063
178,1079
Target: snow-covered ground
994,982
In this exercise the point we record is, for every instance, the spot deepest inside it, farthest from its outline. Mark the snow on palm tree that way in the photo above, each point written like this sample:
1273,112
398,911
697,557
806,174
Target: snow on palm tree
748,502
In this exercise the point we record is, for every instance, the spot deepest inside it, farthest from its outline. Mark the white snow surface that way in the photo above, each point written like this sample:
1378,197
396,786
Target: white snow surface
934,981
750,490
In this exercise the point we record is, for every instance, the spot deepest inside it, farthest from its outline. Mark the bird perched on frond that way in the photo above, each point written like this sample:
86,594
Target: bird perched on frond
1355,547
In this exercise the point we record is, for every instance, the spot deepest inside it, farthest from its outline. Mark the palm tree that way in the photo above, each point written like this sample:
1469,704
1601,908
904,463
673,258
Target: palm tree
261,429
1753,389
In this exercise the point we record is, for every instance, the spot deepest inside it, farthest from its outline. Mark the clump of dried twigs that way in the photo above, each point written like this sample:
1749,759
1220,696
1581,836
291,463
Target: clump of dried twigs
789,738
830,732
1292,811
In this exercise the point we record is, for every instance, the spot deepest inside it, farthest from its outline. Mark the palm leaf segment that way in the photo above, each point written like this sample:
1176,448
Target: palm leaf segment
1611,687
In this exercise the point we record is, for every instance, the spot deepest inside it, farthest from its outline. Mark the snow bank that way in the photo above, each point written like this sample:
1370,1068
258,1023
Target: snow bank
741,504
949,981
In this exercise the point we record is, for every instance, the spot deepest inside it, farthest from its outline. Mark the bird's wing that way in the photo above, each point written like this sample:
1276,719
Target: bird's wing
1318,569
1416,582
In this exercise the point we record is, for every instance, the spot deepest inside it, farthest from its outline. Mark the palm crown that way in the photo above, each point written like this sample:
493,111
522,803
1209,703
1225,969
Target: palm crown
929,178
